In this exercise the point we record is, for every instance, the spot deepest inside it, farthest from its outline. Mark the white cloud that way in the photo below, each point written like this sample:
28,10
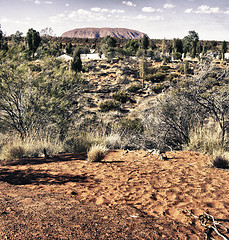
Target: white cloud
149,18
160,10
94,14
99,10
117,11
227,12
58,18
67,5
37,2
105,10
189,10
151,10
49,2
169,6
204,9
12,23
148,9
130,4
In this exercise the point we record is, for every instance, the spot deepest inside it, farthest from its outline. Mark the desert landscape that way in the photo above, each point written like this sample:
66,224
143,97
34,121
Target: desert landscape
107,132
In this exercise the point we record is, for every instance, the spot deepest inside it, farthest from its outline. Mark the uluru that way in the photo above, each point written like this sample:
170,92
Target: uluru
103,32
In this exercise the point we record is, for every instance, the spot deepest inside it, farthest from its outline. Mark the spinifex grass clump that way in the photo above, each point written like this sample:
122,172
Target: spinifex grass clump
96,153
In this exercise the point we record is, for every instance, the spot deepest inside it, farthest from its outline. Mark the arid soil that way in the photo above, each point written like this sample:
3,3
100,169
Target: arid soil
127,196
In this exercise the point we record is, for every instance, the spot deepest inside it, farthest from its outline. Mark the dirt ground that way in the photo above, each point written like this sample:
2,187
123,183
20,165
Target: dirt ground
126,196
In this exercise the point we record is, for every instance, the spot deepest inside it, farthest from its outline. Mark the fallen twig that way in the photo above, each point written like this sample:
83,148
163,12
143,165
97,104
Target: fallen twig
208,221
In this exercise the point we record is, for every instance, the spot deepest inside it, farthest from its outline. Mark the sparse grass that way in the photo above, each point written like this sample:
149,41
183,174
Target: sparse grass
99,136
96,153
114,141
15,147
84,141
207,139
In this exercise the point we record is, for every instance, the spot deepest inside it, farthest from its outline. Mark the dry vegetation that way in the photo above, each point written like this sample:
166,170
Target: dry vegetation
96,153
64,123
122,114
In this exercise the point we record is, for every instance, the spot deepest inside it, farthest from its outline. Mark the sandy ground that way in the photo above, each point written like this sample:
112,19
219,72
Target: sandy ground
126,196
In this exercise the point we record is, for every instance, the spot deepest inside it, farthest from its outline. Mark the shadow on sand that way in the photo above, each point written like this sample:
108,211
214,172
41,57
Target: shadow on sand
31,176
56,158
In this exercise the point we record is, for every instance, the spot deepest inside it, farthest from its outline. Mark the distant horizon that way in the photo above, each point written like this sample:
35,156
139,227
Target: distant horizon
24,34
158,19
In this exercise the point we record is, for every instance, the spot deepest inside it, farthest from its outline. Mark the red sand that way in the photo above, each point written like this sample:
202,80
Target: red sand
126,196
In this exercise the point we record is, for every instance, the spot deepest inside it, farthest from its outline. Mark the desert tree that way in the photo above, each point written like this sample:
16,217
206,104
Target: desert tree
1,37
143,67
33,40
76,64
224,48
144,42
69,48
17,37
31,99
107,46
191,103
174,118
131,47
177,48
47,32
190,43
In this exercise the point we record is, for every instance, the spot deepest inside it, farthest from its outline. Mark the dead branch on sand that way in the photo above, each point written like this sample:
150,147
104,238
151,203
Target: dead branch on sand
208,221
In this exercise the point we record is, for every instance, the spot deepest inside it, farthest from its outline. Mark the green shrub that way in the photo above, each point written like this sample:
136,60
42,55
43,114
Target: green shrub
109,105
84,141
121,97
156,77
135,87
157,88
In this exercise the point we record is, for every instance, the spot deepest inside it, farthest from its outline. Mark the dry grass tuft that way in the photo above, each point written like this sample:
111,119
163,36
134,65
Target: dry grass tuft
16,152
96,153
207,139
14,147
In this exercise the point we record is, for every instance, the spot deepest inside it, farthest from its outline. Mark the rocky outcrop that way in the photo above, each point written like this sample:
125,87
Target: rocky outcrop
103,32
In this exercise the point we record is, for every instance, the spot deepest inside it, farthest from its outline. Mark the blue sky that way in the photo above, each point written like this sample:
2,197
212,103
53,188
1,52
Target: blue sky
157,18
